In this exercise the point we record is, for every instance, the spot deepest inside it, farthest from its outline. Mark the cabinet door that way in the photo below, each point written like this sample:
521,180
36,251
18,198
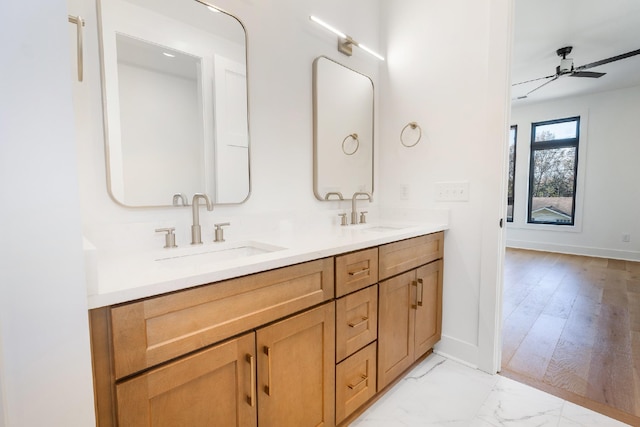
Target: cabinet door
296,370
213,387
429,307
395,327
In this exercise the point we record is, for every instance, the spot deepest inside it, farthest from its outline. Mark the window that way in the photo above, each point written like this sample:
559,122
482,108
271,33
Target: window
513,132
552,171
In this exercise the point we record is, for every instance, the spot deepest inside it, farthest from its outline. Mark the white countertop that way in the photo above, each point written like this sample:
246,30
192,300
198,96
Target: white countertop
127,276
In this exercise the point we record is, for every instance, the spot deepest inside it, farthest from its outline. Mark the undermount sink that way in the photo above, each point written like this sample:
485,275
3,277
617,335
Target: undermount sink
216,252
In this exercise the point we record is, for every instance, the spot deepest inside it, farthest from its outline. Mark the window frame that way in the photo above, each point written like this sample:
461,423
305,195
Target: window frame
512,186
550,145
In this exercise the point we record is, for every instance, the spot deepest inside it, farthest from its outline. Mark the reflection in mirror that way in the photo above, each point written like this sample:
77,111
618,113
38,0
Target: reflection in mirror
343,130
175,99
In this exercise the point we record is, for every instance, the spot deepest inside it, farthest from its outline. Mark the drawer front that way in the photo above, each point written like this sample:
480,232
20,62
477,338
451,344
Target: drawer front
356,321
356,270
158,329
402,256
355,381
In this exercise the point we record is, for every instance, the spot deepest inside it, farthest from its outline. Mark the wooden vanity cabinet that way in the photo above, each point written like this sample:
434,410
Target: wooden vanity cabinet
215,386
296,368
409,311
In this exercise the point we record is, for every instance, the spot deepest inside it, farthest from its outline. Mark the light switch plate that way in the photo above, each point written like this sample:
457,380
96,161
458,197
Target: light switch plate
452,191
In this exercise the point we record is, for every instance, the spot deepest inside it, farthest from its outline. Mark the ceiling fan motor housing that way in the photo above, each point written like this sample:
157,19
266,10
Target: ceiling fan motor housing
566,65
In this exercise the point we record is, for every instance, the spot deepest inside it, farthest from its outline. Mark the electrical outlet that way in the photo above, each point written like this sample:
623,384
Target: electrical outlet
404,192
626,238
455,191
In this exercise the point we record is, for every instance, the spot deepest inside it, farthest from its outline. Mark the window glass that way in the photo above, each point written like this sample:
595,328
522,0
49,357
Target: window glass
559,130
552,174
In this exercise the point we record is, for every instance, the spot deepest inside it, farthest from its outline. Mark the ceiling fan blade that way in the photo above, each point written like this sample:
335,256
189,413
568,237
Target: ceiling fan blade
591,74
608,60
534,80
542,85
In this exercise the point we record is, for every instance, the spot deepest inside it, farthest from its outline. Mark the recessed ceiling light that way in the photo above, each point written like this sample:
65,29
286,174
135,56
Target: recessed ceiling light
170,55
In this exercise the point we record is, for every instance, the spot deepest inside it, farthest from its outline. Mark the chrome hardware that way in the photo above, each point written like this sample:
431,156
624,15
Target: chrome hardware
333,193
356,324
354,213
182,198
363,217
343,219
196,233
219,231
251,399
363,378
267,388
79,23
169,238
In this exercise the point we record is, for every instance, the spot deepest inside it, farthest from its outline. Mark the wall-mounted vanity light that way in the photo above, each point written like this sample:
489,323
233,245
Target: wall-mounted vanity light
345,42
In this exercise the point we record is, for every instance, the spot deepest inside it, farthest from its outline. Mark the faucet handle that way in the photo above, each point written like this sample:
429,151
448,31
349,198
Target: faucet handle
169,238
219,231
343,219
363,217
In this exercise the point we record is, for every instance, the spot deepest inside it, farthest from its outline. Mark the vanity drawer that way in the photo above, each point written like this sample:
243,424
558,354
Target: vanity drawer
356,270
155,330
355,381
356,321
404,255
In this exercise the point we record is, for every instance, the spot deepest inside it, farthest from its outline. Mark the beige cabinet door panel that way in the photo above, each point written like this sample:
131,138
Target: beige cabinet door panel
215,386
296,370
429,307
395,327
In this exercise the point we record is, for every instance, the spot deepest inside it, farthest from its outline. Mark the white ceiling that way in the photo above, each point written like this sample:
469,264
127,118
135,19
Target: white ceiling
597,29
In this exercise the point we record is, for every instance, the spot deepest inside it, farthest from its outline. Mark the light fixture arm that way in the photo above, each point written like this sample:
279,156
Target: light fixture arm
345,42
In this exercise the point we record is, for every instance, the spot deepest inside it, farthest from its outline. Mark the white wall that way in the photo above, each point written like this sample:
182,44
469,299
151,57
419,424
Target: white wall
45,367
608,196
447,70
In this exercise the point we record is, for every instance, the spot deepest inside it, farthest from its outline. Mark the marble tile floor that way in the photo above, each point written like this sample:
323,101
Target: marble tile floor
441,392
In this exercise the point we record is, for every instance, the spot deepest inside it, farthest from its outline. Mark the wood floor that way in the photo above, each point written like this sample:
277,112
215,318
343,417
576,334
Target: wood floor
571,327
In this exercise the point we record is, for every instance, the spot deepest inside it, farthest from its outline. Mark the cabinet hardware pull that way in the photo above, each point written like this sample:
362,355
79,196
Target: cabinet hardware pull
356,324
421,287
267,388
79,22
363,379
415,283
359,272
251,399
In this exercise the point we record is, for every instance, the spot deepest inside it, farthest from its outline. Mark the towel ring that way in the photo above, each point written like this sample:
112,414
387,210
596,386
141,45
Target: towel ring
412,125
354,136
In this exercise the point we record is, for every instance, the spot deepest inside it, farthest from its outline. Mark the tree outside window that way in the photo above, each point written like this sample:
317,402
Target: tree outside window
552,174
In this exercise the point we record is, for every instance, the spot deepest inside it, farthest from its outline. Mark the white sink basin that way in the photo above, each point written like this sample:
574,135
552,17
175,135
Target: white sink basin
215,253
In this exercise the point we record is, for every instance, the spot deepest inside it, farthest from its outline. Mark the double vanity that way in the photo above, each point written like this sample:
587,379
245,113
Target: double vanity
297,325
281,331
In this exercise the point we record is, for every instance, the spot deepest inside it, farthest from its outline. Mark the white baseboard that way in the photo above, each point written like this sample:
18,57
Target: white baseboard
460,351
575,250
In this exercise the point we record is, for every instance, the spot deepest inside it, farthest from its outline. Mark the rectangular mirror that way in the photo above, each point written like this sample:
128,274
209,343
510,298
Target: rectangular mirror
175,102
343,130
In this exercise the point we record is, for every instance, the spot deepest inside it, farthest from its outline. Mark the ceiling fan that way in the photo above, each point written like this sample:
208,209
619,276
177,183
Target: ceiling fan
566,68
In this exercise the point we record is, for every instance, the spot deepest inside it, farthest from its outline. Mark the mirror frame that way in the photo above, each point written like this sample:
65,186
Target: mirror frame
316,124
105,118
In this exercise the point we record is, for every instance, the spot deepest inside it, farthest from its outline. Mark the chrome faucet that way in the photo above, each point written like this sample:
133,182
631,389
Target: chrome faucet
196,234
354,212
